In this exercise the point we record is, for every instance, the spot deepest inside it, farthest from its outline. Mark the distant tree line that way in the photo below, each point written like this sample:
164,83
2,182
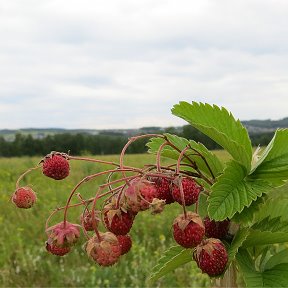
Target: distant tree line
80,144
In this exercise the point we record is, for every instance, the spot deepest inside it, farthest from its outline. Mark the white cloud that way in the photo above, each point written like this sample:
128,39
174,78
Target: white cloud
97,64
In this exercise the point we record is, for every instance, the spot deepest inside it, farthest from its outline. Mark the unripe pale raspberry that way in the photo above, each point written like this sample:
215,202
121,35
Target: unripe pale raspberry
211,257
56,166
125,243
140,194
24,197
188,231
105,251
64,234
191,191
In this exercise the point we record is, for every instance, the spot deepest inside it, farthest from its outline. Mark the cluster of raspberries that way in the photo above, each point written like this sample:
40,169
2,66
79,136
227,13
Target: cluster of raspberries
118,214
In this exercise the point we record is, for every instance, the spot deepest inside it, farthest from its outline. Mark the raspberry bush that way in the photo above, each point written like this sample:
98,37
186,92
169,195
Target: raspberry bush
231,217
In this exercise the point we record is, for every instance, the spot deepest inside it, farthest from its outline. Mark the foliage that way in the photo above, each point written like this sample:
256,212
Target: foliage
244,189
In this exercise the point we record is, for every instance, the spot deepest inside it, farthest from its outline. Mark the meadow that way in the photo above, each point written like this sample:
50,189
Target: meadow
25,262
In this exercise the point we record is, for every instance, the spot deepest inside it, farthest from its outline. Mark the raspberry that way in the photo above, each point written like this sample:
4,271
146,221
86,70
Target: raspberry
163,186
59,251
190,191
86,220
140,194
56,166
188,232
211,257
106,251
116,220
64,234
125,243
24,197
215,229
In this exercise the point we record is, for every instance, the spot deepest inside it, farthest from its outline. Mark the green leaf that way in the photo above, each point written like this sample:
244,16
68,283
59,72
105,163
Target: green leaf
238,239
233,191
203,205
219,125
273,164
272,208
180,143
174,257
248,213
279,258
276,276
251,277
267,231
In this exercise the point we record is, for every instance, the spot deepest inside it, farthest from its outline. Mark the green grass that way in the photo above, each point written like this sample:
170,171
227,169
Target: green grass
25,262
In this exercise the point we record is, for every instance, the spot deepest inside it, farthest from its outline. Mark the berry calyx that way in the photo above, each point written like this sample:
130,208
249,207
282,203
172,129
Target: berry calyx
125,243
191,191
64,234
55,165
211,257
24,197
104,251
116,220
55,250
216,229
188,231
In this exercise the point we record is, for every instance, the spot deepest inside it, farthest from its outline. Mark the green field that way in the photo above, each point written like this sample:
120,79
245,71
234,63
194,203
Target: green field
25,262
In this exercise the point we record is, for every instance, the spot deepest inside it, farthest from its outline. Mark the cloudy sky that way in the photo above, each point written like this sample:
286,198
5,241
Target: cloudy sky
124,63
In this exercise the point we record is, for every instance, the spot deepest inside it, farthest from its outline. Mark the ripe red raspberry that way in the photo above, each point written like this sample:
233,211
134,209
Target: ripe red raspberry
24,197
190,191
117,221
216,229
86,220
140,194
59,251
188,232
211,257
163,186
105,251
125,243
56,166
64,234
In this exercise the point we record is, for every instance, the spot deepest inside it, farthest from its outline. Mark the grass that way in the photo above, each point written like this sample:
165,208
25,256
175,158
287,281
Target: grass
25,262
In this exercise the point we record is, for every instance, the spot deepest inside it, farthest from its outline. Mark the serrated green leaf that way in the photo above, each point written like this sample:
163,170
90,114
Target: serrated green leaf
273,164
202,205
264,238
239,238
219,125
214,163
278,258
173,258
247,215
277,276
273,208
251,277
233,191
267,231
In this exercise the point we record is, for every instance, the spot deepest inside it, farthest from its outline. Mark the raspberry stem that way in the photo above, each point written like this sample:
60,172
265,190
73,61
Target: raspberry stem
158,157
86,179
24,174
130,141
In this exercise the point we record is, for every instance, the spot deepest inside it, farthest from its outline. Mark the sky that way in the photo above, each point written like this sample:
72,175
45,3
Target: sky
125,63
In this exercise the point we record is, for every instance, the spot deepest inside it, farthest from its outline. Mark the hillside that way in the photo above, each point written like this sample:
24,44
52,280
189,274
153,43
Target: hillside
253,127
